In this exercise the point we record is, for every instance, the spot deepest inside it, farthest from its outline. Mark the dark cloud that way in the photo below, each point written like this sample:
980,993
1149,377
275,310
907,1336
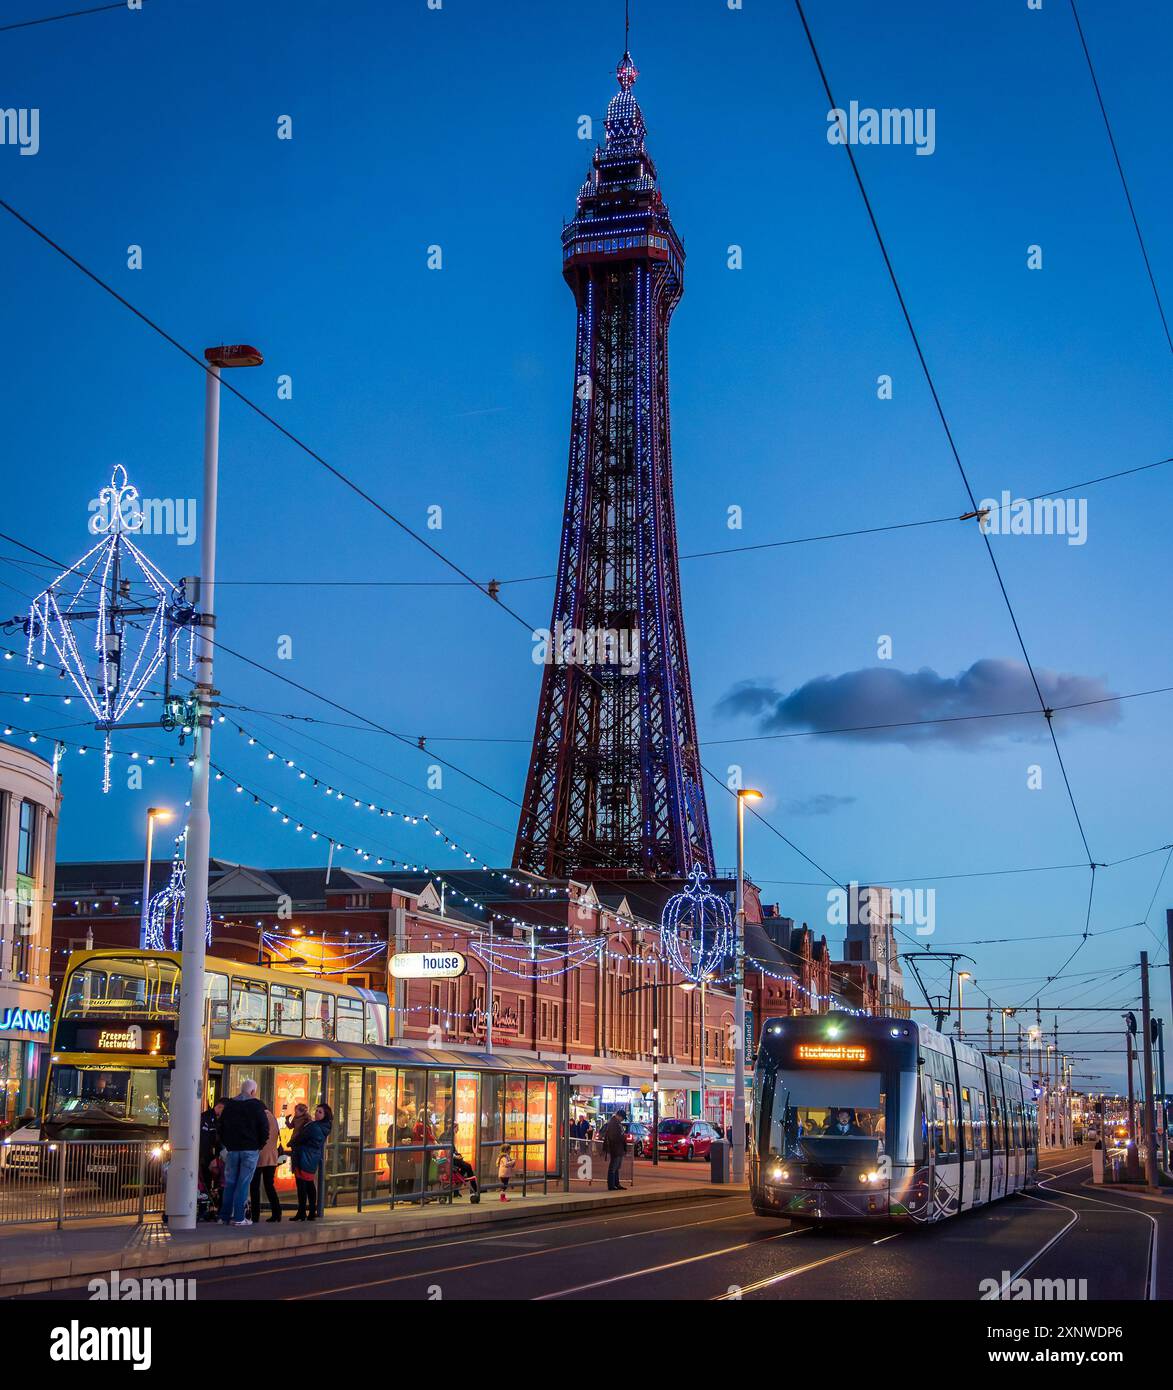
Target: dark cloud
821,804
883,695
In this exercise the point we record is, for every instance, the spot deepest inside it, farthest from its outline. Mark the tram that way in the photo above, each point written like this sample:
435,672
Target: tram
882,1119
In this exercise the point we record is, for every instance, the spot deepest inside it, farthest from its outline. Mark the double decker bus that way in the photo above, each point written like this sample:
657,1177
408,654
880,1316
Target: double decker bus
114,1032
883,1119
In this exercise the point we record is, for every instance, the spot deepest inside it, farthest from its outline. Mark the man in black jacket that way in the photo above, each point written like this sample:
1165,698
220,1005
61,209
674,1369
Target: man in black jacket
209,1148
244,1132
615,1147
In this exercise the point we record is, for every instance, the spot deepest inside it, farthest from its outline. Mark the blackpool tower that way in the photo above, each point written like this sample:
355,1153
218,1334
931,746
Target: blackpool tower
615,779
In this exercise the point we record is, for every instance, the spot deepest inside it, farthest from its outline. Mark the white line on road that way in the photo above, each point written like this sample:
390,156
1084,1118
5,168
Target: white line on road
671,1264
1151,1275
802,1269
505,1259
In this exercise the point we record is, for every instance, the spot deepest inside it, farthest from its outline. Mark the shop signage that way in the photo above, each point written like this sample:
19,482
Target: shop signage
428,965
24,1021
617,1095
831,1052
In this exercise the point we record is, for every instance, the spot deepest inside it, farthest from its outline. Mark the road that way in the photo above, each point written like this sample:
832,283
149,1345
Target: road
710,1248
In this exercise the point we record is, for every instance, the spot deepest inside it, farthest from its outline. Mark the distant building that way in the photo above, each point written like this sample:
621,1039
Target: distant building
30,799
871,943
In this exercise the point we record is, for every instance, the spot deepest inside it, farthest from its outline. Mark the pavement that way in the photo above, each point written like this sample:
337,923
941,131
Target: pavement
38,1259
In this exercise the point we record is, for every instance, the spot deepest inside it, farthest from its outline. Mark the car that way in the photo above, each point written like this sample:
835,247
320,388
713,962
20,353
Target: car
685,1139
639,1136
23,1153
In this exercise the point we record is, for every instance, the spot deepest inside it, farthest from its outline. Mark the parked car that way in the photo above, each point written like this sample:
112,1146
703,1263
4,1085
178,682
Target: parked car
685,1139
639,1136
23,1154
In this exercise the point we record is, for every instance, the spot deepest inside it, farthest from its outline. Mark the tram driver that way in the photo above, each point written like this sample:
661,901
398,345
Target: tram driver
842,1123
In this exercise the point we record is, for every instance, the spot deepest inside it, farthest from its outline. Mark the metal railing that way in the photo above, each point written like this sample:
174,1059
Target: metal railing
64,1180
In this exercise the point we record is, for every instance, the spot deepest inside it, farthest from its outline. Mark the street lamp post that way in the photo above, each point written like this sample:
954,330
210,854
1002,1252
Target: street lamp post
744,794
965,975
154,813
187,1079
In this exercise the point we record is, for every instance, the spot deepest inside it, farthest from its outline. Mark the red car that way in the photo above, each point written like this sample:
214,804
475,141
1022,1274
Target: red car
685,1139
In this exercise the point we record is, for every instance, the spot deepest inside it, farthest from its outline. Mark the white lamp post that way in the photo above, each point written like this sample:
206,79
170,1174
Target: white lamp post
187,1080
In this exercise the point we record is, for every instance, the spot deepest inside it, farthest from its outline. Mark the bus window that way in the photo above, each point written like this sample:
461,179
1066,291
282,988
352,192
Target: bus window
123,1095
950,1118
286,1010
85,986
248,1006
319,1015
350,1021
215,987
376,1023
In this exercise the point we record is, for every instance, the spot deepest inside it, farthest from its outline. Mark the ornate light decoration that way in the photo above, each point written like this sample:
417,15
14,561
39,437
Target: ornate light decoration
110,642
165,915
696,928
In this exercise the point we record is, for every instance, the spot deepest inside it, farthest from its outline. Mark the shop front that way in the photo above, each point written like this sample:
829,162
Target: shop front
402,1115
24,1041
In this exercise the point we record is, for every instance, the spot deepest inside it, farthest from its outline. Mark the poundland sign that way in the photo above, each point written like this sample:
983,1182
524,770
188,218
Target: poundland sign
428,965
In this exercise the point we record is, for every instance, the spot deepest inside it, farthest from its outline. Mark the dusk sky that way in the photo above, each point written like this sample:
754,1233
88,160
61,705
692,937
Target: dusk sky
459,127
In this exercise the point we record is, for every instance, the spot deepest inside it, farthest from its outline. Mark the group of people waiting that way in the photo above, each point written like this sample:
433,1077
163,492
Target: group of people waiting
241,1145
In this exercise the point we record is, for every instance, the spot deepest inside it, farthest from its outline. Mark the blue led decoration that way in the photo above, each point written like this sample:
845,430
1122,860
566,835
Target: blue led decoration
165,916
696,928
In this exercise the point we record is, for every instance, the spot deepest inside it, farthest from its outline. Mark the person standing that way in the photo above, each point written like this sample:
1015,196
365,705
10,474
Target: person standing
266,1170
309,1148
615,1147
208,1154
244,1132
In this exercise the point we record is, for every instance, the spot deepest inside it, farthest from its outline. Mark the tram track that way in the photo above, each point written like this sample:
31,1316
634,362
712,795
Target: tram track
487,1235
1150,1279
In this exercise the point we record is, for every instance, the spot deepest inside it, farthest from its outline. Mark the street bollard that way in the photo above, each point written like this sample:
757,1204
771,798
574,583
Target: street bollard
720,1161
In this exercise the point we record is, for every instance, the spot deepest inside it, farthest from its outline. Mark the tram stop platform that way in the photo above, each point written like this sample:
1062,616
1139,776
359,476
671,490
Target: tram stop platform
39,1259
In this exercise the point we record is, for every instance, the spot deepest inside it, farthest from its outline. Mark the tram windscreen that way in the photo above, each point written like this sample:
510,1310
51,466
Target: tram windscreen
835,1115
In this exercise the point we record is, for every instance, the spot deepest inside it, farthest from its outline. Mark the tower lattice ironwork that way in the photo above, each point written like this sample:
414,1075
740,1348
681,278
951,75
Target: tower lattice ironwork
615,776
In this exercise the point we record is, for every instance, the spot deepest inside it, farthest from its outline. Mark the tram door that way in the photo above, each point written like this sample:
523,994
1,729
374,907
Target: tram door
971,1185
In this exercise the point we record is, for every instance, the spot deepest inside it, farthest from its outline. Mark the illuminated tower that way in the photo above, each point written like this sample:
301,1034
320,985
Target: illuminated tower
615,778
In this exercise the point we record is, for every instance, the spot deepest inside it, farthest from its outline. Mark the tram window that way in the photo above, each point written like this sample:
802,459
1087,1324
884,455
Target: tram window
249,1006
997,1140
982,1133
950,1118
286,1010
966,1123
319,1015
940,1122
350,1021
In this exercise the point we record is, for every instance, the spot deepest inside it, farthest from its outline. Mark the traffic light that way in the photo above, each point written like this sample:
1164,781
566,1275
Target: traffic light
1130,1023
1154,1031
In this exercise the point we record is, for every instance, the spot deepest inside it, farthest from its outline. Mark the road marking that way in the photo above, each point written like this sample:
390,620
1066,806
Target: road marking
263,1271
802,1269
1055,1239
505,1259
1151,1273
671,1264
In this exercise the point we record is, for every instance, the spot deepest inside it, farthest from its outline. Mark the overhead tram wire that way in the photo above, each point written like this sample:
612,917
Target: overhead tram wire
1123,181
948,432
71,14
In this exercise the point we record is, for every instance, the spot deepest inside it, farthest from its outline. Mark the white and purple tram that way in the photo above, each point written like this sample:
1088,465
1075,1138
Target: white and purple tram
881,1118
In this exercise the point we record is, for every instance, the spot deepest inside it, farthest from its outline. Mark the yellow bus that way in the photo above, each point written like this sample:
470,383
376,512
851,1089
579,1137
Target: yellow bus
115,1026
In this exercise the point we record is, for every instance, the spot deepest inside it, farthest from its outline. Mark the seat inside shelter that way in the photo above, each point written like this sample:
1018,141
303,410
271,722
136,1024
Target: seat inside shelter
402,1114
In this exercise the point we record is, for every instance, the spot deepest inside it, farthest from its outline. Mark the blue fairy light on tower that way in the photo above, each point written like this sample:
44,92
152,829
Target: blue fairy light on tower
696,928
165,916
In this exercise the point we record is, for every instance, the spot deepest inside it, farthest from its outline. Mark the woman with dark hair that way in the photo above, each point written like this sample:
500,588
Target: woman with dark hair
308,1150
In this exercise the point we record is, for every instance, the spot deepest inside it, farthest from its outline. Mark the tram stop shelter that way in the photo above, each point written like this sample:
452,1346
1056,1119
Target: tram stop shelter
400,1113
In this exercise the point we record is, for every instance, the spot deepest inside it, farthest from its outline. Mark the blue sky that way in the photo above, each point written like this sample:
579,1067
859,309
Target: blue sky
451,388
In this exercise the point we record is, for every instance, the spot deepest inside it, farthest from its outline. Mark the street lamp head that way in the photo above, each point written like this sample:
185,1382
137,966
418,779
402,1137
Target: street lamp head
688,986
159,813
233,355
749,794
965,975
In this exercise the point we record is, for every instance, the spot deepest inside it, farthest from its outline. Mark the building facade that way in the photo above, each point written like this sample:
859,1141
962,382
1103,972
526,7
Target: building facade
30,801
567,971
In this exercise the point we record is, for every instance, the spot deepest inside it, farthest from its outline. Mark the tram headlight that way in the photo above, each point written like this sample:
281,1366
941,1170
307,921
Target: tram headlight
781,1175
863,1177
873,1177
